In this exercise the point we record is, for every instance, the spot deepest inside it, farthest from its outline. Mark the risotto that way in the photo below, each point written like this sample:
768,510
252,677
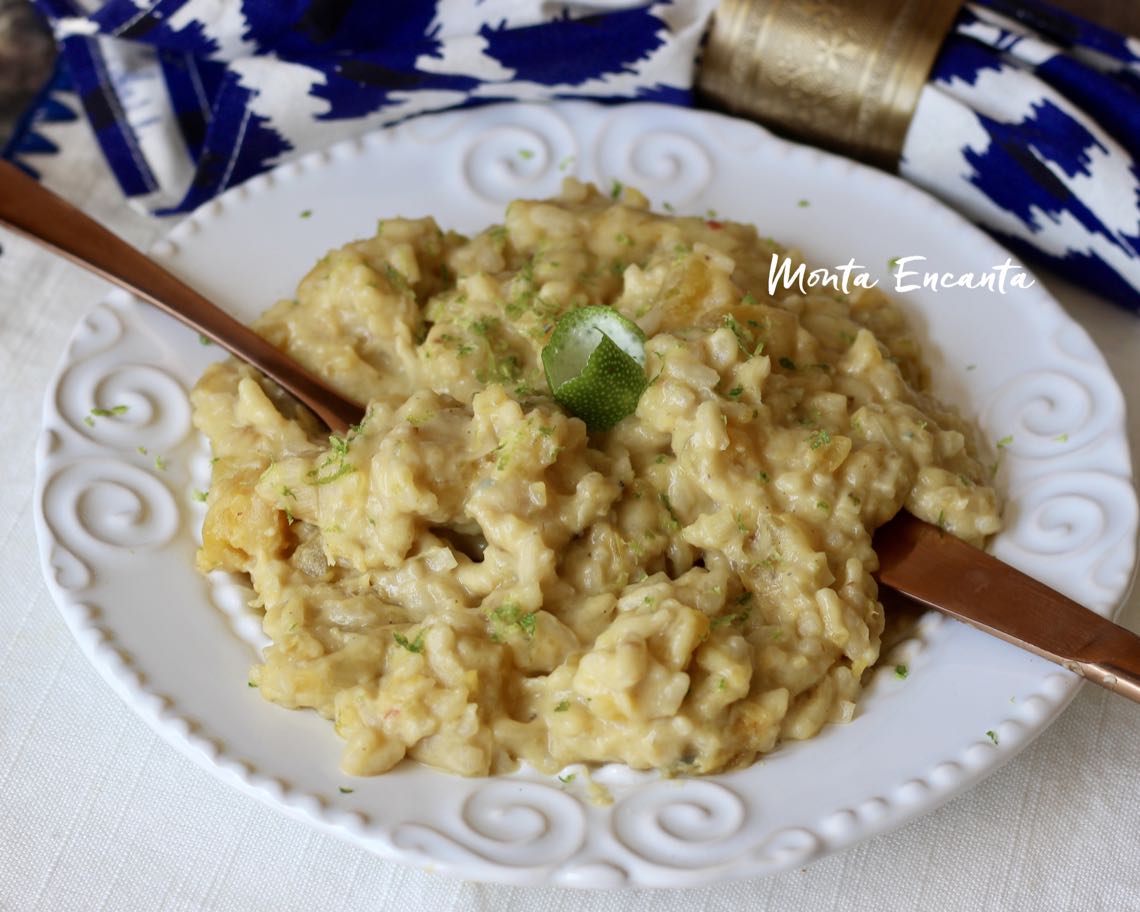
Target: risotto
471,578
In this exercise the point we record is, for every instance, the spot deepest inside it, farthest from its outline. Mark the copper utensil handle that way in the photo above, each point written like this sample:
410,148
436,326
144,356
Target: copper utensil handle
943,572
30,209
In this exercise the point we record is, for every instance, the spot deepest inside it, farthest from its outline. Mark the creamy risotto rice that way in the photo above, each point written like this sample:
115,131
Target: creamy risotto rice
470,578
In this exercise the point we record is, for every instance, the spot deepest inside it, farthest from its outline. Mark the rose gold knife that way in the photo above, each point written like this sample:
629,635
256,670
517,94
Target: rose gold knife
940,571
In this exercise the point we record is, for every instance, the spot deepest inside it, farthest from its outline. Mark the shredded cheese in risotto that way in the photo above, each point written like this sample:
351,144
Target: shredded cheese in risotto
471,578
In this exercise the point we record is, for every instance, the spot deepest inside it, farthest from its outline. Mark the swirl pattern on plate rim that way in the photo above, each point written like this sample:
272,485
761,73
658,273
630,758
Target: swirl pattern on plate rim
95,502
505,823
510,159
668,164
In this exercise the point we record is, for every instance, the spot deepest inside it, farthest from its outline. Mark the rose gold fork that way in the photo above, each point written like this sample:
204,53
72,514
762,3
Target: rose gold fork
30,209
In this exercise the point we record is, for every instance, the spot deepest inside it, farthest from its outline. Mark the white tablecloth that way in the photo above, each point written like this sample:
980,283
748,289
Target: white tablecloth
97,813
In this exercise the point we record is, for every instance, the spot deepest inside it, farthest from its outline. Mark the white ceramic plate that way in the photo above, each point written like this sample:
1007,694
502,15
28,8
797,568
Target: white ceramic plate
118,533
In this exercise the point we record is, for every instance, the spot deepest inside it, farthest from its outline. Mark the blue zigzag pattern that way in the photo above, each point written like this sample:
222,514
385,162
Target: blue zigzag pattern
53,104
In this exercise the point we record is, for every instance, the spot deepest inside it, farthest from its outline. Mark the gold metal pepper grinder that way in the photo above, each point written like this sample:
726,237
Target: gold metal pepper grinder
845,74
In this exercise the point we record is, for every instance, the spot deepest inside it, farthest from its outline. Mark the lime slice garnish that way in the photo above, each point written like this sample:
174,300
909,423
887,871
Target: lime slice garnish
595,365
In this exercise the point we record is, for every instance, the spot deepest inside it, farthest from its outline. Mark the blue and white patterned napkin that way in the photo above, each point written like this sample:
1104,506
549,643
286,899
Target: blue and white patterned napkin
1030,124
189,97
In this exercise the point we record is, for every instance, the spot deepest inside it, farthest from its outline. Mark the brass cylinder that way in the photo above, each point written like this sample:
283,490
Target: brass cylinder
846,75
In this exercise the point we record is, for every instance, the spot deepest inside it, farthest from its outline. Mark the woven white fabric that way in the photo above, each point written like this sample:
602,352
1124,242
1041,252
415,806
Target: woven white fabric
97,813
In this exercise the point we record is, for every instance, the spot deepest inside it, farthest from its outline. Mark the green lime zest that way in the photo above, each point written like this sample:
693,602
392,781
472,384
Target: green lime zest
595,365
